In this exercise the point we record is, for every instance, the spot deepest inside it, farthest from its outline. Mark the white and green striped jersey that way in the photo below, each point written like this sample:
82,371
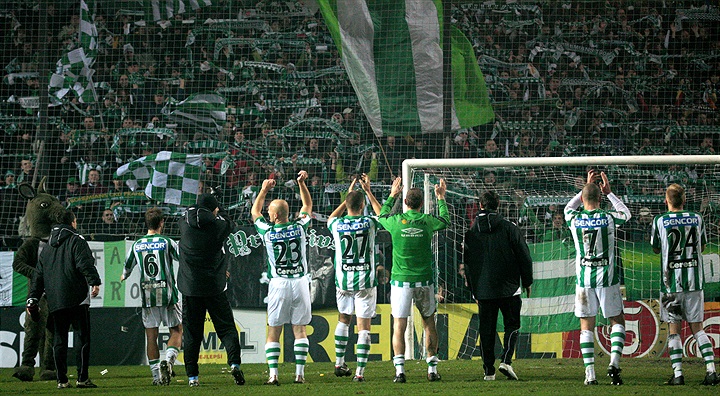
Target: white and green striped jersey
155,254
354,238
594,234
286,246
680,236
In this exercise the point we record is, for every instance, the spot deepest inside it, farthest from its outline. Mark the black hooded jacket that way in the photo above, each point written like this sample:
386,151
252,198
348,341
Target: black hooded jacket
65,270
497,259
202,262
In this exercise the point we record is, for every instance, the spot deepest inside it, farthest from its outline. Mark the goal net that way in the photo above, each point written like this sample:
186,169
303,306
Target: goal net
533,193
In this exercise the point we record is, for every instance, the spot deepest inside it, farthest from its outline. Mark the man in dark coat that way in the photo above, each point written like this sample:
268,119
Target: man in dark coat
66,273
202,281
497,267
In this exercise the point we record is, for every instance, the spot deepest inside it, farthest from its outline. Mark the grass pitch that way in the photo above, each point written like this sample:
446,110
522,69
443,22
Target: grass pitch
537,377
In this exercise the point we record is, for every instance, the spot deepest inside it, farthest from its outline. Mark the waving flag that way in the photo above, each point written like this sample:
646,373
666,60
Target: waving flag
74,69
165,9
172,178
391,51
205,112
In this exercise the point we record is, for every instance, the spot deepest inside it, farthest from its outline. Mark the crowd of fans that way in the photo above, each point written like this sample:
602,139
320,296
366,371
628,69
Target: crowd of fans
566,78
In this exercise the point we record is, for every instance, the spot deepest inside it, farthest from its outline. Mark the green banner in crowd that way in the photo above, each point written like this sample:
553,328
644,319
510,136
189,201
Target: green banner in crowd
123,196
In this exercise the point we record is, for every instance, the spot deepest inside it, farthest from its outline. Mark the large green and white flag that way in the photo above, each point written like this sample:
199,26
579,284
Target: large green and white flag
205,112
13,286
74,69
551,307
391,51
172,178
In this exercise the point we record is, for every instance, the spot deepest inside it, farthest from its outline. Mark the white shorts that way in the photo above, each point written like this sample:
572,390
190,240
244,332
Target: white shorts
401,300
588,300
289,301
171,316
687,306
362,302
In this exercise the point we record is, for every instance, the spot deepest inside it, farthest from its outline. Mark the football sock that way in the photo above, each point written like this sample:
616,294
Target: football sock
301,350
155,368
341,340
171,355
706,350
587,347
617,340
675,351
399,361
432,363
363,351
272,354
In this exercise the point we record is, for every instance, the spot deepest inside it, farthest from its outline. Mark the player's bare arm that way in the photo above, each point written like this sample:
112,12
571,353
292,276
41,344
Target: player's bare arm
256,210
304,192
365,184
396,188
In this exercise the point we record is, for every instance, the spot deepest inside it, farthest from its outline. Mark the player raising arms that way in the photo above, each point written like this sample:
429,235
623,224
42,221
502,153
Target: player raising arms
679,235
289,289
598,280
412,271
155,253
355,279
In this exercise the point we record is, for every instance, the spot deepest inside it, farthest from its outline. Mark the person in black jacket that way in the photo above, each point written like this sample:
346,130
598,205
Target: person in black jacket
66,273
497,267
202,281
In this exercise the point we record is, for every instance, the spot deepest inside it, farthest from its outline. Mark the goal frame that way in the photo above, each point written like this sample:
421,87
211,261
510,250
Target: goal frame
409,165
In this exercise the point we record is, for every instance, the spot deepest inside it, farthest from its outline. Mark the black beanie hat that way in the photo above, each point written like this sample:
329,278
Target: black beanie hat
207,201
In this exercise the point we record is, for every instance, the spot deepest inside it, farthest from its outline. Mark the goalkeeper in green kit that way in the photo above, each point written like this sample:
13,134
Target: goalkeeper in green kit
413,270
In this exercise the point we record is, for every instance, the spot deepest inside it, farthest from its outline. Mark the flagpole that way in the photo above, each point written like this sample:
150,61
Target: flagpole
44,100
89,76
447,74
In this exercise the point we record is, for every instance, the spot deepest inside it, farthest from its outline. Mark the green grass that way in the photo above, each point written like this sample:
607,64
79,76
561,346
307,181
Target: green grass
537,377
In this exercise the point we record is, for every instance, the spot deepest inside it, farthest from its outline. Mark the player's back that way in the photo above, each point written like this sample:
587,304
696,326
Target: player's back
594,236
354,238
412,234
285,245
680,236
154,254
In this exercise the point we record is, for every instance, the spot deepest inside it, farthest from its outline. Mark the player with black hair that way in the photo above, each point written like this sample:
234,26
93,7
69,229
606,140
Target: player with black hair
155,254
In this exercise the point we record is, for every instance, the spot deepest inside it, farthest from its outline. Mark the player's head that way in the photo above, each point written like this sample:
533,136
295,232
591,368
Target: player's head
489,200
278,211
675,196
154,219
414,198
355,201
591,194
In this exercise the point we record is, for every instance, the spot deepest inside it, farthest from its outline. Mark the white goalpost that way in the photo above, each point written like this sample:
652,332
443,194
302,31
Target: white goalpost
532,190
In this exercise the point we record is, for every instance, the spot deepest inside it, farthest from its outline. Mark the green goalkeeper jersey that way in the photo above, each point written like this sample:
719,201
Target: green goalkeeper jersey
680,236
412,234
155,254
